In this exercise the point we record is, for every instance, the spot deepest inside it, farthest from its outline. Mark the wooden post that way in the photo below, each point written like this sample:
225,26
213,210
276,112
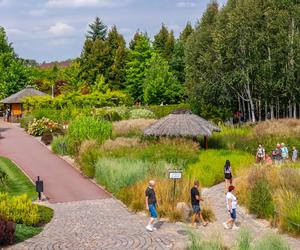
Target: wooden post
206,142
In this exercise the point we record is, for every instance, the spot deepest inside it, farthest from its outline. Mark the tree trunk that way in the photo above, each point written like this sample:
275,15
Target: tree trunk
266,110
272,111
239,102
249,112
290,109
259,110
244,109
295,111
278,109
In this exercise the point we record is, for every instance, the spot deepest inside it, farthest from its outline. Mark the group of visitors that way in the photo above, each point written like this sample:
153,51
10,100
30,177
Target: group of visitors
231,202
7,115
279,155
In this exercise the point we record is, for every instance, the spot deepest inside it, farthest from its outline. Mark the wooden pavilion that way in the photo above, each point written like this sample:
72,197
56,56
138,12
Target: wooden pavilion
182,123
15,101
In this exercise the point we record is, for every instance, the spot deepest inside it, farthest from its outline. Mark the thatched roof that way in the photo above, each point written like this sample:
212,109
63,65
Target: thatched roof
27,92
181,124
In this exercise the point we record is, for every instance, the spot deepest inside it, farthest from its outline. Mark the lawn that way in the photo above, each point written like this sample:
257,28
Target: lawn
16,183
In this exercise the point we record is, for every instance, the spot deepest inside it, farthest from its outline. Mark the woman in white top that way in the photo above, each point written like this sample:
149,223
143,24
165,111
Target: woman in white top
231,203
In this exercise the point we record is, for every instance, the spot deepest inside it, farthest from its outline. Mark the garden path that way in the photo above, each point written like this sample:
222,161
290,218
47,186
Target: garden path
101,224
215,197
62,183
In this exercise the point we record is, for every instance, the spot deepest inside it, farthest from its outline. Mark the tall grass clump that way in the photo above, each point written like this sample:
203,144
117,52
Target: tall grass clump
59,145
119,173
271,241
197,243
88,156
209,169
244,240
87,128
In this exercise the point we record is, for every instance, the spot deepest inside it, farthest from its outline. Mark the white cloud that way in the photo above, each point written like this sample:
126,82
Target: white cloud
185,4
84,3
61,29
37,12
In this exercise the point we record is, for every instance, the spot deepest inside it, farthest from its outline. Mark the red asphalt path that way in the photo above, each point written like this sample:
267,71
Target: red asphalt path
62,183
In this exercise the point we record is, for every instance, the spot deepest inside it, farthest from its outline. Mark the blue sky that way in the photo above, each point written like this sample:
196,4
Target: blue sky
47,30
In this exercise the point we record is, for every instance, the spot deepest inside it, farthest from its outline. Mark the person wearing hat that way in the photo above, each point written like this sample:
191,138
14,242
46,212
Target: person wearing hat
231,204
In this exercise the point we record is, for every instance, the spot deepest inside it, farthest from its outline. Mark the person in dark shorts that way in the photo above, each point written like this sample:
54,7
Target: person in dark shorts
195,198
151,204
227,174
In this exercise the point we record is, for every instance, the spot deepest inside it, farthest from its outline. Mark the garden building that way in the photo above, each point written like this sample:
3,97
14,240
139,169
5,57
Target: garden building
182,123
15,101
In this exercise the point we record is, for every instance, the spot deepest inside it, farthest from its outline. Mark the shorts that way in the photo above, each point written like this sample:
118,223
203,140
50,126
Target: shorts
196,209
233,214
228,176
152,210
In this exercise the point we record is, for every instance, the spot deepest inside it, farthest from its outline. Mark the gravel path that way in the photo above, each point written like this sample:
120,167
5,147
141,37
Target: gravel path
216,199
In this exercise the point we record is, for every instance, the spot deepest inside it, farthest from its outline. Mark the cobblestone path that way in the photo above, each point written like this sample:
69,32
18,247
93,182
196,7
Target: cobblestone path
100,224
215,197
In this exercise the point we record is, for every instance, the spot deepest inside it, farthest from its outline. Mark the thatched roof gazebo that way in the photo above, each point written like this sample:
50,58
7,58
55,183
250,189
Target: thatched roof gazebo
15,101
182,123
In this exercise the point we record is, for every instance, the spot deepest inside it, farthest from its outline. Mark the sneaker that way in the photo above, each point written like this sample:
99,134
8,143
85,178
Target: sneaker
235,227
225,225
154,228
149,228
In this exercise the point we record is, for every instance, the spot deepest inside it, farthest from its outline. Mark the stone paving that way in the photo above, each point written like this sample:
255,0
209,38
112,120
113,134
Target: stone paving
101,224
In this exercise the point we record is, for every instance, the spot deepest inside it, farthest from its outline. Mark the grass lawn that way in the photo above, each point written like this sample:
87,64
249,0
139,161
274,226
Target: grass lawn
24,232
16,183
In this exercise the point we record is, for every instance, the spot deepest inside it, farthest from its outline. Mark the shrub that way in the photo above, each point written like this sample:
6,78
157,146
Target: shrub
39,127
19,209
112,114
131,128
261,201
87,158
7,232
161,111
141,113
45,214
24,232
47,138
209,168
244,240
271,241
87,128
116,174
197,243
59,145
26,120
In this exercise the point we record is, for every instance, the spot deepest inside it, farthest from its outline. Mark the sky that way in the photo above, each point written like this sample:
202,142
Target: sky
54,30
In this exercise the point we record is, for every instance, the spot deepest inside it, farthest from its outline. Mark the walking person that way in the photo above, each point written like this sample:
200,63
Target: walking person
260,154
196,198
277,154
151,205
284,152
294,154
231,205
227,174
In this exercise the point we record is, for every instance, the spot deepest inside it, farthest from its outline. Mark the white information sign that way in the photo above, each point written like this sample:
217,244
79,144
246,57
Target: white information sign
175,174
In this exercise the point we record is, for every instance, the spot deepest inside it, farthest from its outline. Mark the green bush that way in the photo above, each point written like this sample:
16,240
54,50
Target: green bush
112,114
161,111
88,156
116,174
141,113
19,209
209,169
59,145
45,214
261,201
87,128
26,120
24,232
271,241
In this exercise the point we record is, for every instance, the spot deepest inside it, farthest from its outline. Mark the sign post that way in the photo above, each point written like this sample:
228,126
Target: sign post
175,175
39,185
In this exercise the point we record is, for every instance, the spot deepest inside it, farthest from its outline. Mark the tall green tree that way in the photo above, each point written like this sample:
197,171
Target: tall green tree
164,42
160,85
136,65
118,53
98,30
